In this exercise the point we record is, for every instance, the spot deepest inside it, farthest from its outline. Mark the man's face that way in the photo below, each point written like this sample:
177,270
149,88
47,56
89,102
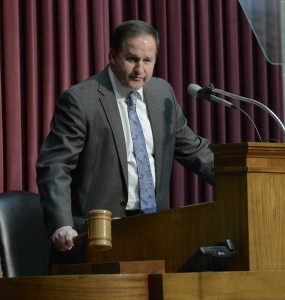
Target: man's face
134,64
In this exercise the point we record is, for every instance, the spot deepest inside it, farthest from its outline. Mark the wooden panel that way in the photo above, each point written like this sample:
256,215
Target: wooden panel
172,235
249,156
142,267
127,267
75,287
266,219
172,286
250,177
258,285
262,285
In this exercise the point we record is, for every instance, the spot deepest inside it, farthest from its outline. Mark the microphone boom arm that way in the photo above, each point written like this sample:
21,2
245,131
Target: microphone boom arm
261,105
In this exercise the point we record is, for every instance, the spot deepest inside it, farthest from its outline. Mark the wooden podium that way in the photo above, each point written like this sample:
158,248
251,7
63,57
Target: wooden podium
251,187
248,209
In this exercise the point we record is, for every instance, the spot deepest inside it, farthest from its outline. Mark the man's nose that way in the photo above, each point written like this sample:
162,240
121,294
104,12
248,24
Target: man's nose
139,66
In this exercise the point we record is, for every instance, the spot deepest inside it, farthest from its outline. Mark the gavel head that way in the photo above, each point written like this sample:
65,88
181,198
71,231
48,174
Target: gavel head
99,230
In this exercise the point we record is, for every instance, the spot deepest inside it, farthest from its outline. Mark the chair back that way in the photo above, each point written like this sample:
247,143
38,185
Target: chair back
24,245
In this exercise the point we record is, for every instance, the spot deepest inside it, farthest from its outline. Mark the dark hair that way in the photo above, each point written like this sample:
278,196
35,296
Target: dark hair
131,29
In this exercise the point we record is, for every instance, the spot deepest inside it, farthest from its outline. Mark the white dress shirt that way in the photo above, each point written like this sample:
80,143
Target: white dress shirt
120,93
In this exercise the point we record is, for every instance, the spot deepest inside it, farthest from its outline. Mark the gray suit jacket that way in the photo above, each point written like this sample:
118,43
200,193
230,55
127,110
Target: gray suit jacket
82,164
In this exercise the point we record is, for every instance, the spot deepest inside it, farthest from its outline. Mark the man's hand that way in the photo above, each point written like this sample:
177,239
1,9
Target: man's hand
63,238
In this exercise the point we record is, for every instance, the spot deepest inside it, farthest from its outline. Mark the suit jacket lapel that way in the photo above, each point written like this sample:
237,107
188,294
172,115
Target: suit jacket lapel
153,110
111,109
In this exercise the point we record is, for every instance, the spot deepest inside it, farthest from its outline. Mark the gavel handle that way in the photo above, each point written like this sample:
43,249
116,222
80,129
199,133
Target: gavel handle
80,237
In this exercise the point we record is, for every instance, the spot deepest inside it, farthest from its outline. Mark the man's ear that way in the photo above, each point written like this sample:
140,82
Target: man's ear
112,56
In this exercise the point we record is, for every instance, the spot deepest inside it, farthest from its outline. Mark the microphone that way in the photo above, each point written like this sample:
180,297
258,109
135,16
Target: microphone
257,103
208,94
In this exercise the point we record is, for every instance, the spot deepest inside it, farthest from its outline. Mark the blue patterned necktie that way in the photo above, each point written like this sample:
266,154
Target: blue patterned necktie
146,186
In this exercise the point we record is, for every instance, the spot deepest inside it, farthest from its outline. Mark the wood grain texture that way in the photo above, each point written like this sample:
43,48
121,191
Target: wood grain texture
254,285
256,189
75,287
244,285
248,209
125,267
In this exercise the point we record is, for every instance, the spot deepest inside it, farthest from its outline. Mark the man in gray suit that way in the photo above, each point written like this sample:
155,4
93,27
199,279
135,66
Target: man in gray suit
87,161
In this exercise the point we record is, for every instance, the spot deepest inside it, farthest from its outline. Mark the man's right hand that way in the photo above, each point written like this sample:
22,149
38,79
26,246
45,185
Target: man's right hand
63,238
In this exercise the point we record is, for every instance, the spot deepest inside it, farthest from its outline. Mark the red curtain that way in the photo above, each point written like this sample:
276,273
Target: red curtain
48,45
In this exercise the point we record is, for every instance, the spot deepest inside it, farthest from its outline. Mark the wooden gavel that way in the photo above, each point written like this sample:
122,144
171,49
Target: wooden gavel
98,233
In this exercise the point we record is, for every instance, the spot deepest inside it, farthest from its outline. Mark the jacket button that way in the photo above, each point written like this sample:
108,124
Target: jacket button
123,203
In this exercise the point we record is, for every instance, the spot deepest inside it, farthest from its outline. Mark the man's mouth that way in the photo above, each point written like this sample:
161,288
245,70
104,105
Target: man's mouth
137,78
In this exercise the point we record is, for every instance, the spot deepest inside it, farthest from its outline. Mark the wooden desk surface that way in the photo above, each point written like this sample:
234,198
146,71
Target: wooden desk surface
254,285
75,287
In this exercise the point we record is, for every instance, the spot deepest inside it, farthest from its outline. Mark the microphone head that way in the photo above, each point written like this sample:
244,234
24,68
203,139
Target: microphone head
193,89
